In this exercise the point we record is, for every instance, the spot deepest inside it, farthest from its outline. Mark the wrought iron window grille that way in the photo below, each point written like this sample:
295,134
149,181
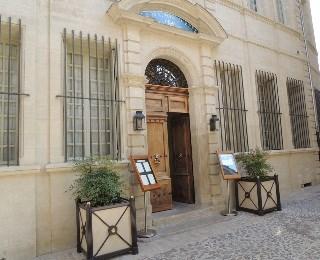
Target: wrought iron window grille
280,11
269,111
10,90
317,97
169,19
253,5
232,108
298,113
91,97
165,73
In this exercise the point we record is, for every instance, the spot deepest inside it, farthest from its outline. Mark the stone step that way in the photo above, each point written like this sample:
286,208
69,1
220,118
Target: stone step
167,219
193,220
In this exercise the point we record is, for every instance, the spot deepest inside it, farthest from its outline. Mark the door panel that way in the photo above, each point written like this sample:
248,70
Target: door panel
161,199
160,101
178,104
158,154
156,102
181,159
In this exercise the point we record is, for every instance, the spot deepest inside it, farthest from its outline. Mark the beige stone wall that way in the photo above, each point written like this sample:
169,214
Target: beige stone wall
37,215
295,168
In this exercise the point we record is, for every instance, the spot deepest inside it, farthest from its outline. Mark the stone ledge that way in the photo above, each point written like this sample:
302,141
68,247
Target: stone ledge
19,170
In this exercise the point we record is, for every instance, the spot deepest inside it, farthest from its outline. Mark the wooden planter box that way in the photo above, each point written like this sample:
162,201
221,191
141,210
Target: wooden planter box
106,231
258,196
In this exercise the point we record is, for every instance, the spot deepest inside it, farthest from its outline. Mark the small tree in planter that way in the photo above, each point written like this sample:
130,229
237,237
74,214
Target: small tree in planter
106,223
257,192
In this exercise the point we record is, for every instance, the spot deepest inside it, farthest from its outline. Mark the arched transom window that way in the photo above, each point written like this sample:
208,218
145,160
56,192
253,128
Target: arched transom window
170,20
165,73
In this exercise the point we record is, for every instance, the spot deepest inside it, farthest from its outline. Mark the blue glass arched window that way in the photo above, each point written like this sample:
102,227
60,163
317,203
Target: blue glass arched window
170,20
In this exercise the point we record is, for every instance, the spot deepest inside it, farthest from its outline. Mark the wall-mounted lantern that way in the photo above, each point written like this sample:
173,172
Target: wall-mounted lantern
138,120
213,123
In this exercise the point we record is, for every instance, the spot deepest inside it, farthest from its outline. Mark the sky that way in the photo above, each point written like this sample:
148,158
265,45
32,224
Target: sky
315,9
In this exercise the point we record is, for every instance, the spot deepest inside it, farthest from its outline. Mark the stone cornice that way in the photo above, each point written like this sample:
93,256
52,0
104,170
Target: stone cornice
246,11
280,52
19,170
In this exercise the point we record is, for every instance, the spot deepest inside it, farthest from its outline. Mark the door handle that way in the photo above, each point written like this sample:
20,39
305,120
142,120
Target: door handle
179,156
156,158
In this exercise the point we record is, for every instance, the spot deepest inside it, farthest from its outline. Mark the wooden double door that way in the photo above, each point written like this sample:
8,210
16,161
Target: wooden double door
169,143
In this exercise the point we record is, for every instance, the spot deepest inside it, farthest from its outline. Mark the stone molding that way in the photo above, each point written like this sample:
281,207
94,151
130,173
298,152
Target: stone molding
19,171
203,89
133,80
211,31
302,59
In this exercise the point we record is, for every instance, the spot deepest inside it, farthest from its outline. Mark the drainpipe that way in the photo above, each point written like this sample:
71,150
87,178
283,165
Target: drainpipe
300,4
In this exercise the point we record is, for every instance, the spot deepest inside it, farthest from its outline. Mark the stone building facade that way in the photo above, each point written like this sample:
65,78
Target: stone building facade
241,60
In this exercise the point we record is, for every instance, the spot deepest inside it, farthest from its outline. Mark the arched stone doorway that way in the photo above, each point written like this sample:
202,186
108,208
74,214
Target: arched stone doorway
169,138
147,38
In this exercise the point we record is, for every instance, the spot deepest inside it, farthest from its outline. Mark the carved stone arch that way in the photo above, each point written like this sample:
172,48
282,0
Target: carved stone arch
180,59
210,30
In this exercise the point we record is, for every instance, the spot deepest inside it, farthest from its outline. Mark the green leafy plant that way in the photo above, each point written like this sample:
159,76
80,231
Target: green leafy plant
255,163
98,182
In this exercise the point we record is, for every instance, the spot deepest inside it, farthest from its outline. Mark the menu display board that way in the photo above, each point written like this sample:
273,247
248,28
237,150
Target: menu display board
228,165
144,173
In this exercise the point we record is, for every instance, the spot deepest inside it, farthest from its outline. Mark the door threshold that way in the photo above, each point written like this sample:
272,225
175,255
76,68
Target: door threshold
180,213
178,208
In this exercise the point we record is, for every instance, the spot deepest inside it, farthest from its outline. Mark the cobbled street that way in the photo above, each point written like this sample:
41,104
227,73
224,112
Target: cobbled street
293,233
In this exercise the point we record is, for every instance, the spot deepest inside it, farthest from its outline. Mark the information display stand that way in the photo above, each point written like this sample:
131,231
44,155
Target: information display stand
148,182
229,171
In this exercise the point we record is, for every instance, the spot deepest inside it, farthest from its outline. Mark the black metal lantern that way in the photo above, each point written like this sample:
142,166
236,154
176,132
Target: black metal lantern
213,123
138,120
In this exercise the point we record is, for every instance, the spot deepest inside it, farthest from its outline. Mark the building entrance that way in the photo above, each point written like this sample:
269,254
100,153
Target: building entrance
169,139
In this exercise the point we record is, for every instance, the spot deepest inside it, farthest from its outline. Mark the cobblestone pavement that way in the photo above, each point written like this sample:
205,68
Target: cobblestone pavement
293,233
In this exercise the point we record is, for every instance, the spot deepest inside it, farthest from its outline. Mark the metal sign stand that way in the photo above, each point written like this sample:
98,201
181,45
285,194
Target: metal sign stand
229,212
146,233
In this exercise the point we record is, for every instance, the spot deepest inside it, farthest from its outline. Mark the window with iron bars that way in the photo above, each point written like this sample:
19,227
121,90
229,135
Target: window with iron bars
232,108
317,97
269,111
10,90
91,97
253,5
280,11
298,113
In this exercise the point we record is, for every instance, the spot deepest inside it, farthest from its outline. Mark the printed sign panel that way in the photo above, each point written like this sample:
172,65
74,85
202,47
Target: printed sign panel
144,173
228,165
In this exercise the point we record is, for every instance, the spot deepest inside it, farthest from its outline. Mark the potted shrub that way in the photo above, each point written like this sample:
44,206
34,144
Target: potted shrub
258,192
106,222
